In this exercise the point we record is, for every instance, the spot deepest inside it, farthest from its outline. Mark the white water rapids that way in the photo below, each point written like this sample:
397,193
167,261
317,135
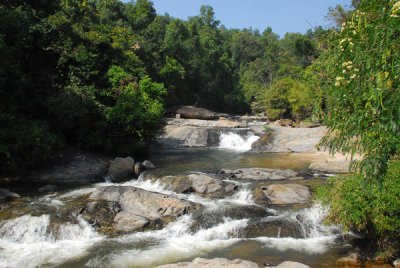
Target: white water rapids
235,142
30,241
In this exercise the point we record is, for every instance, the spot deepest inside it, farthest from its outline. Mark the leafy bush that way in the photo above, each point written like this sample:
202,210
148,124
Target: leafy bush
373,209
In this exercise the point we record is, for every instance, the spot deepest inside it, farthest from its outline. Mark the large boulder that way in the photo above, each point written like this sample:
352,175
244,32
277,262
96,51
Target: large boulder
200,183
281,194
192,112
212,263
259,174
127,208
331,166
121,169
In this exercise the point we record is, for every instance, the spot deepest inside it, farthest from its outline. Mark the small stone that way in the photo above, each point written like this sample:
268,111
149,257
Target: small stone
148,165
138,169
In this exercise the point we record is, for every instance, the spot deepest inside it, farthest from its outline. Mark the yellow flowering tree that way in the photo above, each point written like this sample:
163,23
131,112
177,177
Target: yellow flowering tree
364,100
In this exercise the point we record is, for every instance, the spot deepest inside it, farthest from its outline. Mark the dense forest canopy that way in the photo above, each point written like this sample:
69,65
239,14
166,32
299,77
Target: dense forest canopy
99,74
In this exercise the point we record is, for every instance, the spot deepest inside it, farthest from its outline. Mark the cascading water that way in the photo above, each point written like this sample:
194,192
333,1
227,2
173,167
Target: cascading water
235,142
31,241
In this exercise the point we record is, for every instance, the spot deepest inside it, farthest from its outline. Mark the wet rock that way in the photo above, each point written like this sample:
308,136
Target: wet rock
264,140
148,165
7,194
101,214
281,194
144,203
138,168
197,138
72,166
274,228
352,260
48,189
290,264
121,168
212,263
192,112
259,174
127,222
200,183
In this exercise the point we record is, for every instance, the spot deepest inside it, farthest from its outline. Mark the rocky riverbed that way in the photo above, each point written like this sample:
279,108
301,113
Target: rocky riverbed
221,204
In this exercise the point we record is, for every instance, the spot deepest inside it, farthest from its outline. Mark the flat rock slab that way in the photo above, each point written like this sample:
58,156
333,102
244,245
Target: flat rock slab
212,263
296,140
281,194
331,166
259,174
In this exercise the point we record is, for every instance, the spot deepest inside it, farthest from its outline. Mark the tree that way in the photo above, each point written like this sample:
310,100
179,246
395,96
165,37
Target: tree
364,102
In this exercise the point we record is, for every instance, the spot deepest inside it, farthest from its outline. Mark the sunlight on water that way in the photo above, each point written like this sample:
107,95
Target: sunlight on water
235,142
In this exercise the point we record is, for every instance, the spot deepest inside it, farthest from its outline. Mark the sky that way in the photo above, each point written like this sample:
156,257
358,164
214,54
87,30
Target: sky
282,15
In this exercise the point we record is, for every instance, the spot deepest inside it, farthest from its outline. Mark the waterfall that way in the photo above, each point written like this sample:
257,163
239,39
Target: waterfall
316,237
235,142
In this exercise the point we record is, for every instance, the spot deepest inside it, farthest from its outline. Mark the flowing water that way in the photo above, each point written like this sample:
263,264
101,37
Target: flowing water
231,227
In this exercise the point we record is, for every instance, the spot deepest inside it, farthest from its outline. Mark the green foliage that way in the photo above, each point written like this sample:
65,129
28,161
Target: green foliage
372,208
24,143
288,97
364,102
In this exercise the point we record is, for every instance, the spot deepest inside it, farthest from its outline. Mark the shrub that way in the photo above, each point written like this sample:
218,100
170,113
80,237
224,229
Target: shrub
373,208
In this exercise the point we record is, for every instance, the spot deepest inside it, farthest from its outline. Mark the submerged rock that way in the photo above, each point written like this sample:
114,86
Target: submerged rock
126,208
121,168
212,263
259,174
274,228
281,194
200,183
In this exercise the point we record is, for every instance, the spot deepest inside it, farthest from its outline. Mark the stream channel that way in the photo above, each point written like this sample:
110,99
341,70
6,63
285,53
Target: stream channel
229,227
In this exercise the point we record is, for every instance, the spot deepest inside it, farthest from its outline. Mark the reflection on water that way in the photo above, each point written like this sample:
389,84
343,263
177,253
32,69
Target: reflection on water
212,160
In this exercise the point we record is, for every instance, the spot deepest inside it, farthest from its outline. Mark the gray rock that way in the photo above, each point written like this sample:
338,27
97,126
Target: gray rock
200,183
290,264
73,166
331,166
48,189
143,203
197,138
6,194
281,194
212,263
127,222
296,140
259,174
192,112
121,169
138,169
148,165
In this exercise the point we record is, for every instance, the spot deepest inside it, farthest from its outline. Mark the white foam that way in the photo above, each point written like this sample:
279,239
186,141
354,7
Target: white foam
235,142
317,237
175,242
28,241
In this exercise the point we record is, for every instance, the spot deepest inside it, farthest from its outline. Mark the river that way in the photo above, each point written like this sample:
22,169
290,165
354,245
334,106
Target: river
230,227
